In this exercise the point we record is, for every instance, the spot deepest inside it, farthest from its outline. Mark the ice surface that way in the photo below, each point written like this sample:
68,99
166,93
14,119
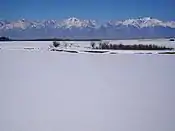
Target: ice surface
51,91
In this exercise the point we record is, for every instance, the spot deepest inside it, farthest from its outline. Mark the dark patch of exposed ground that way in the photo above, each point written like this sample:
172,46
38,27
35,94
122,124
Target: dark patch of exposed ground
96,51
167,53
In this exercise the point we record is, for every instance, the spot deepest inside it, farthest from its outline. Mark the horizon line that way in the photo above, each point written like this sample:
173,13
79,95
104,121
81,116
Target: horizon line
82,18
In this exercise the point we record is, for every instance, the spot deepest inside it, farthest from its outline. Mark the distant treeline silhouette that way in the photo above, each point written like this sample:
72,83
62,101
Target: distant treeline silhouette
107,46
4,39
46,39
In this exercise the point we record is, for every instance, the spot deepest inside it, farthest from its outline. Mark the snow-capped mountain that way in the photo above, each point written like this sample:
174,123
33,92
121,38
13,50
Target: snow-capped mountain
146,27
143,22
74,22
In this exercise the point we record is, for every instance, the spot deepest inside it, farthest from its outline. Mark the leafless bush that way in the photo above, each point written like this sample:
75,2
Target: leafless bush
56,44
92,45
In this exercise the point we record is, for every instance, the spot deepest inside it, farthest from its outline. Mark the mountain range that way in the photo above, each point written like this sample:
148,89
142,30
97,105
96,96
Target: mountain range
75,28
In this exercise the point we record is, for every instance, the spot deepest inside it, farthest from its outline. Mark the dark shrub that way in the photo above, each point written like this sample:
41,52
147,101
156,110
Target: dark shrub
172,39
4,39
56,44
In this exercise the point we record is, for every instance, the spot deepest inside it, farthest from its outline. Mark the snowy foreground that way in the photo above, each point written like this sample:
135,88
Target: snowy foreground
52,91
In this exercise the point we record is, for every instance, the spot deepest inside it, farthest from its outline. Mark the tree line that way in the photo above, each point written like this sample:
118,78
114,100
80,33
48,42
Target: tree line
108,46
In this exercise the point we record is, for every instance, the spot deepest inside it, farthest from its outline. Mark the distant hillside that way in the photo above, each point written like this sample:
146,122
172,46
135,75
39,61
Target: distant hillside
47,39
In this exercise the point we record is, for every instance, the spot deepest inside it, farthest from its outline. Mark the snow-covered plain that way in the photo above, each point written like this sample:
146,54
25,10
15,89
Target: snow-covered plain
82,46
52,91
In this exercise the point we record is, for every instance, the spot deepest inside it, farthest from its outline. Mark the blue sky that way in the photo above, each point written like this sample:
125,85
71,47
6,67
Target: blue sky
101,10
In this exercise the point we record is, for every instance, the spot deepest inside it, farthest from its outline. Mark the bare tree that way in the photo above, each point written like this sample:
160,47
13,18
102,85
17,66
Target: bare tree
93,45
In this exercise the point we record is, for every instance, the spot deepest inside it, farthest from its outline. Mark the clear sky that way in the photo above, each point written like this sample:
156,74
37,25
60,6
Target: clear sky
101,10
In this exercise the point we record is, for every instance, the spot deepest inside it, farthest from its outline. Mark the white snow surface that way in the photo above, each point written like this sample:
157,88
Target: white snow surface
51,91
